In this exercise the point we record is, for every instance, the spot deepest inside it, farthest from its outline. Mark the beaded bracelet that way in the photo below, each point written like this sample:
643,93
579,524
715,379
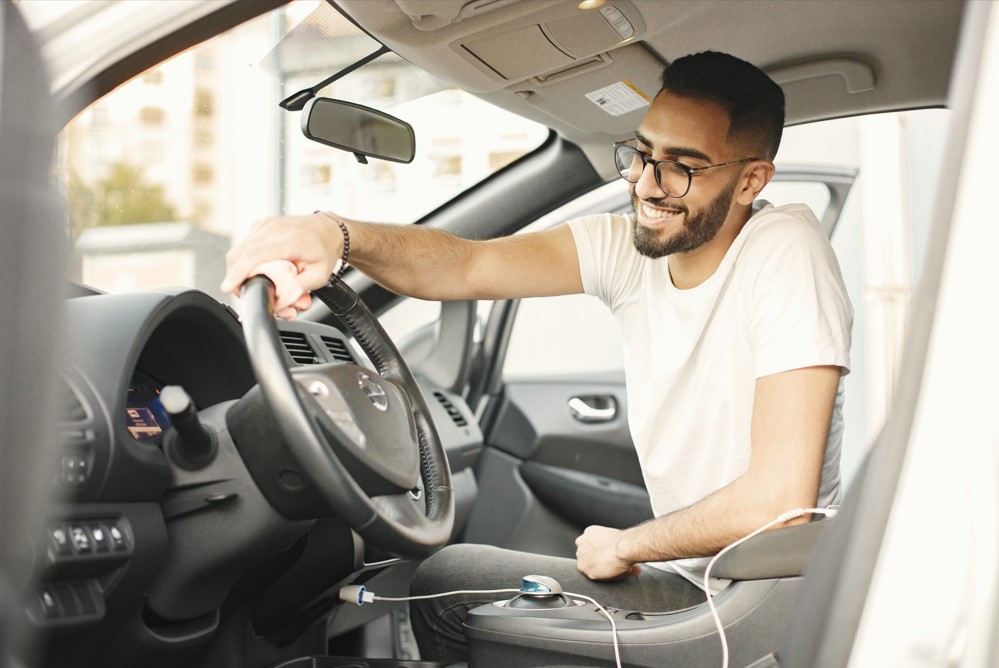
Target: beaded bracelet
346,246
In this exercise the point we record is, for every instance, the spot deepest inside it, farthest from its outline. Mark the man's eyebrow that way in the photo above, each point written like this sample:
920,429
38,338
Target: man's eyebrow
674,151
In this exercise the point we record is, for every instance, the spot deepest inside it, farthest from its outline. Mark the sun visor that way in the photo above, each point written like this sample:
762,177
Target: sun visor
610,91
552,40
593,103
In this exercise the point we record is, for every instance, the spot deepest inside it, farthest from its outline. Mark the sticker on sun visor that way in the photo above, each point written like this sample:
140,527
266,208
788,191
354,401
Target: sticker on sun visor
620,98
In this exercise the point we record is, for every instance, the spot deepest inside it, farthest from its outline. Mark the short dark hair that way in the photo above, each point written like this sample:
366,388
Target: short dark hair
754,101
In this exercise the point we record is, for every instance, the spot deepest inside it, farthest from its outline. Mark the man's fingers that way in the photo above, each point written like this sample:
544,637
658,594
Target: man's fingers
303,303
237,274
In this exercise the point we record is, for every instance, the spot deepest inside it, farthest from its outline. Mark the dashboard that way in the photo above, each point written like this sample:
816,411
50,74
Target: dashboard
143,551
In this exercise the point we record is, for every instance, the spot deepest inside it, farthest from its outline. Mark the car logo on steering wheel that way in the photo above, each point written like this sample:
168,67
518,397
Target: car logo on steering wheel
373,391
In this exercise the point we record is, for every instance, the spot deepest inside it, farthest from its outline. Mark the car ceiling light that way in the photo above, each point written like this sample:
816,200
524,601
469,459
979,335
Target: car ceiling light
591,4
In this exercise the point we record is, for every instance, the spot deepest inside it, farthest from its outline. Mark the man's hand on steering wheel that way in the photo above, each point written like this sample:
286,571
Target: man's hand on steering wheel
309,245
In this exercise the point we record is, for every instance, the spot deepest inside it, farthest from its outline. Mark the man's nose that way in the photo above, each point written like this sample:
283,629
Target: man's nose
646,187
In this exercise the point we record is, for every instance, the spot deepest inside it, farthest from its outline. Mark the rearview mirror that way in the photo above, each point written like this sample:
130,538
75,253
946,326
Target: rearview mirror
365,132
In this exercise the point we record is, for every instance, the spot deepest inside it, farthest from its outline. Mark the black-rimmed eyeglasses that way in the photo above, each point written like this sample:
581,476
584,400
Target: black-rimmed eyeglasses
672,177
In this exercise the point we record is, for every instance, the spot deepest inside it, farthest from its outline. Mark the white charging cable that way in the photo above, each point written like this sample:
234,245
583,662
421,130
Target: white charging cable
360,595
780,519
617,652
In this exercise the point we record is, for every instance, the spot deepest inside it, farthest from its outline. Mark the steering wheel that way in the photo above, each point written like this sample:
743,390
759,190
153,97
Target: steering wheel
365,440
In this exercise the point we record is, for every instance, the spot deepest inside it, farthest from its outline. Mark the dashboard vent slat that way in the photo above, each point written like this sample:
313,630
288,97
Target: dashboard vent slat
456,416
338,349
299,348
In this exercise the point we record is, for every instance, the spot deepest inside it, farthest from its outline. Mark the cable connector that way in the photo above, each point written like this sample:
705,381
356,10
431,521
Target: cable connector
356,594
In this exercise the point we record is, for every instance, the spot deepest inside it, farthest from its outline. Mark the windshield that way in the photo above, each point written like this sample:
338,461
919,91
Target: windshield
162,175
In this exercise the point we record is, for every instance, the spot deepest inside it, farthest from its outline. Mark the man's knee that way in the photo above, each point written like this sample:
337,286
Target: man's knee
461,566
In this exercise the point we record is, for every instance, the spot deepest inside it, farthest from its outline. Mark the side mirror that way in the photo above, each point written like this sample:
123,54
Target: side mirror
365,132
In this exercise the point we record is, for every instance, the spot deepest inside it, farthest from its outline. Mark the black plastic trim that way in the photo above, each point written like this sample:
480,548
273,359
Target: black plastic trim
583,498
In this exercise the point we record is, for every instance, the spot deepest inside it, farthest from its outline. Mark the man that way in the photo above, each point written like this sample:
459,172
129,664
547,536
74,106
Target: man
735,320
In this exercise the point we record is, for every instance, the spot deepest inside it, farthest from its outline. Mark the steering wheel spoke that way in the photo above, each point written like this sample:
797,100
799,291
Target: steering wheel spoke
368,422
407,508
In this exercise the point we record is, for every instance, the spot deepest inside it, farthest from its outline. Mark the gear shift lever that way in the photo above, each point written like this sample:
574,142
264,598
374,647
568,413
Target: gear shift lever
193,444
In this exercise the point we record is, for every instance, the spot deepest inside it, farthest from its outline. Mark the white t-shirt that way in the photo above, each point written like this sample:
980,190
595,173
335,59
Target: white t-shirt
776,302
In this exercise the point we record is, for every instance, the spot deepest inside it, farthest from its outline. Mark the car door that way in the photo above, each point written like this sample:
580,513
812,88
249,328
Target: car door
553,405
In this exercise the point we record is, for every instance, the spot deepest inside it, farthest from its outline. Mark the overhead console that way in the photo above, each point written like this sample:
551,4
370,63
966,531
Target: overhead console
515,42
552,40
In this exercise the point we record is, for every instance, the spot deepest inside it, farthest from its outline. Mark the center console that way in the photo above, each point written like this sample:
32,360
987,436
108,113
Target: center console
580,635
766,573
545,627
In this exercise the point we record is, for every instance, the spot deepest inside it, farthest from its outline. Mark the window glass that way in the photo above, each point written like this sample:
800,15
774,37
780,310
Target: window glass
559,336
163,174
408,321
407,317
815,195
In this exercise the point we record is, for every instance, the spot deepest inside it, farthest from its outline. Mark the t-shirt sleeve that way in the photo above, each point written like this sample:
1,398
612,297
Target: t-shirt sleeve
797,308
608,262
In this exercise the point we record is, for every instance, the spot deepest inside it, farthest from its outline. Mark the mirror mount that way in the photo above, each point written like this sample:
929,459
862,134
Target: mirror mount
297,101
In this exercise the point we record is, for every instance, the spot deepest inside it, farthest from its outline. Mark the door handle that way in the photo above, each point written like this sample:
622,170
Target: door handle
593,409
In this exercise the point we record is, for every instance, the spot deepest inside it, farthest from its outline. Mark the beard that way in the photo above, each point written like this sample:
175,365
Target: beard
698,229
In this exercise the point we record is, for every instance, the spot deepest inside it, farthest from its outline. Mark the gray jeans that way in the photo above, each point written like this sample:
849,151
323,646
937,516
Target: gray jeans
437,623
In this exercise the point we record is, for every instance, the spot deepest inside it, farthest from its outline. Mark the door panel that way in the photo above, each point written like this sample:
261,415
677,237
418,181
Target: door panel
508,514
536,424
546,475
587,498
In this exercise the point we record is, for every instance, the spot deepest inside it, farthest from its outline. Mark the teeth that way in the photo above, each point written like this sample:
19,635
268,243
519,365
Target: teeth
649,212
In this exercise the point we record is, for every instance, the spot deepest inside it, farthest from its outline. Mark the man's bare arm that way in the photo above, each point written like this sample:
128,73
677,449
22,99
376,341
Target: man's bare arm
790,425
414,261
431,264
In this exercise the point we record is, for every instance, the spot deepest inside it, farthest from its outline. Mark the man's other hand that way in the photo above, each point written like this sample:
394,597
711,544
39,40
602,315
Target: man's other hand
597,555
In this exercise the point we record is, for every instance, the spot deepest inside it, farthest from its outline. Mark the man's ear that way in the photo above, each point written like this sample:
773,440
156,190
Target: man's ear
755,179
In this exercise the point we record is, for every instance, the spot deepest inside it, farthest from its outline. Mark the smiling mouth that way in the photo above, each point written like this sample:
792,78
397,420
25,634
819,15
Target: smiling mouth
655,217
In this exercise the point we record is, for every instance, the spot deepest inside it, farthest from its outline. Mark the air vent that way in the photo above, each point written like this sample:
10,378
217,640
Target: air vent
456,416
299,348
338,349
70,407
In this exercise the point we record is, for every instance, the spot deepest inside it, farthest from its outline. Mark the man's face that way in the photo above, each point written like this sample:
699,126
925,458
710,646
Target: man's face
698,228
694,133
